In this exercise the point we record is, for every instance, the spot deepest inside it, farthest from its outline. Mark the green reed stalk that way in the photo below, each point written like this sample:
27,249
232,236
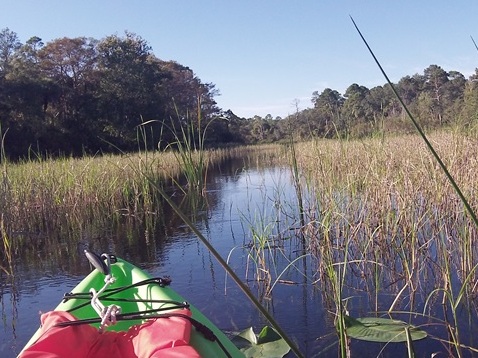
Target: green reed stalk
422,133
336,273
448,295
298,188
295,173
259,245
189,147
411,351
4,191
336,279
474,43
7,249
448,290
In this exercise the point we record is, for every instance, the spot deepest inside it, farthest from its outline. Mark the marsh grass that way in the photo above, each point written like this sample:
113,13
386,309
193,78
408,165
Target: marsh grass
380,219
451,296
46,200
385,216
188,146
7,261
260,252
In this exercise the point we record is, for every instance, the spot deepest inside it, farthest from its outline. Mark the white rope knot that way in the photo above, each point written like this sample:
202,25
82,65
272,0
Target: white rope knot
108,316
108,313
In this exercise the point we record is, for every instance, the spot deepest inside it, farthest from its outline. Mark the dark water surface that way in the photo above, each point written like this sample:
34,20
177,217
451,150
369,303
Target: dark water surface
238,198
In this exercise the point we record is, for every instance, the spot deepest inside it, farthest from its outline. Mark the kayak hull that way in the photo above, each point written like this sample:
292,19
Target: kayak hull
126,274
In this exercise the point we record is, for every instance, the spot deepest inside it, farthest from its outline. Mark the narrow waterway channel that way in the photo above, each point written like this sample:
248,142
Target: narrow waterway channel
247,205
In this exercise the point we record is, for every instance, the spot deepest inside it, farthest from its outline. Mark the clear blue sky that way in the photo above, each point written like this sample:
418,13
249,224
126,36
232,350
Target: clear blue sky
265,54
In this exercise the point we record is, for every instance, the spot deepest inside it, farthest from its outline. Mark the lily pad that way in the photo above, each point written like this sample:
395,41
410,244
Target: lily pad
267,344
375,329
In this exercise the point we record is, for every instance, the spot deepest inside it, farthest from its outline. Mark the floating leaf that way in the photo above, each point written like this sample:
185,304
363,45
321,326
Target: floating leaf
249,335
383,330
267,344
268,335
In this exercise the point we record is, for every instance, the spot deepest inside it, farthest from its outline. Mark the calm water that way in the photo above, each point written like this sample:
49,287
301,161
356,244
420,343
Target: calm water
239,197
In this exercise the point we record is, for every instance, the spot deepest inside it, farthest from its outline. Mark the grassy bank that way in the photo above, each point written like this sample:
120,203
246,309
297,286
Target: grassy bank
62,199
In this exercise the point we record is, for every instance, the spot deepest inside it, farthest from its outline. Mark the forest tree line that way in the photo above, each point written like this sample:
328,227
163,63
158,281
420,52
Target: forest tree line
83,96
436,99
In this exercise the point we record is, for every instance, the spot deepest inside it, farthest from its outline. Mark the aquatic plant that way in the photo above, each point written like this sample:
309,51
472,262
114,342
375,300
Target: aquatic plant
6,262
188,146
66,200
266,344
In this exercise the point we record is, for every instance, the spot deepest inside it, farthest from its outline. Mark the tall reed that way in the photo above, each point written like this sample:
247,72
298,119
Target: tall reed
6,262
385,203
430,147
189,147
296,178
383,200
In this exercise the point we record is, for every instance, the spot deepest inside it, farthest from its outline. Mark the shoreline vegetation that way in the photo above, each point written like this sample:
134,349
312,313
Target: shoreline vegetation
379,215
43,195
379,209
